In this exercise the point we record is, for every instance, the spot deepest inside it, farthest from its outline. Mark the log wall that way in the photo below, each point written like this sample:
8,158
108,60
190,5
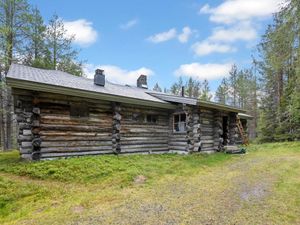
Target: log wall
48,127
141,136
207,121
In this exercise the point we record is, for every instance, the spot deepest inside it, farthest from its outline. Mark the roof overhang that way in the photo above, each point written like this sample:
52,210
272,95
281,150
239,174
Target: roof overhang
195,102
218,106
245,116
35,86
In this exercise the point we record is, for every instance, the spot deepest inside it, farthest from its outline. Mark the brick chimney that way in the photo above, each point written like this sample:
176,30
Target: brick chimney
99,77
142,82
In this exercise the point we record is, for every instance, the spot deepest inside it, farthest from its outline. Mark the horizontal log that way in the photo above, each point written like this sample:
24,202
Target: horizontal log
178,152
73,133
75,149
75,128
144,134
76,138
177,148
26,144
144,138
143,110
204,137
161,142
149,151
25,150
46,95
178,143
77,122
178,140
143,146
203,146
208,141
70,154
75,143
22,138
24,126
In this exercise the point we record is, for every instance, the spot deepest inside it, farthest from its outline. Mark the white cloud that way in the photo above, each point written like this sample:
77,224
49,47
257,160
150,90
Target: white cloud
204,71
164,36
185,35
129,24
206,48
83,31
236,10
118,75
242,31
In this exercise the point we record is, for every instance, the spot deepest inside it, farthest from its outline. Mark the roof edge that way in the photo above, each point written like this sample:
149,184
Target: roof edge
214,105
34,86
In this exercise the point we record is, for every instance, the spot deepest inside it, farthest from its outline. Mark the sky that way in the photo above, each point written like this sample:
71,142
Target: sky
163,39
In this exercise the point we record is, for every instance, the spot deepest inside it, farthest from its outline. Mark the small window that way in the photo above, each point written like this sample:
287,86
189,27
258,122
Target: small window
137,117
179,124
79,110
151,118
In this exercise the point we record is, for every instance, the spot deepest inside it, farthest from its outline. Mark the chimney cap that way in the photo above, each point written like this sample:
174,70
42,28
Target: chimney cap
142,81
99,77
99,71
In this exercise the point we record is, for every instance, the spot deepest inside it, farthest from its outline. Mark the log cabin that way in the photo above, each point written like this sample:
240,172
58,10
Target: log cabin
61,115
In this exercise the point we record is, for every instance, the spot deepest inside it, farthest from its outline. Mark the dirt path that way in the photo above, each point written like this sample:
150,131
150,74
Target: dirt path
236,193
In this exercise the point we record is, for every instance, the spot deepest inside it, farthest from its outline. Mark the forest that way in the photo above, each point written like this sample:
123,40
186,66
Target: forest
269,90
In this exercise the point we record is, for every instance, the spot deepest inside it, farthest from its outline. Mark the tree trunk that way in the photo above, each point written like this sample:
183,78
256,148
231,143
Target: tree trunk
2,129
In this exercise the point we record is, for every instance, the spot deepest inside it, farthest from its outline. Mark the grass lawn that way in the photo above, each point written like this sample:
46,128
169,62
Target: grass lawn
261,187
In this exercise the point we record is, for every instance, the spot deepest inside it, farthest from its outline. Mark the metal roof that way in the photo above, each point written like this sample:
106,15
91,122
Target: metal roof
173,98
194,101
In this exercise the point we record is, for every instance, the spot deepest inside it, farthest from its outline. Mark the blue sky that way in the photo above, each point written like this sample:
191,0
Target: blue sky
163,39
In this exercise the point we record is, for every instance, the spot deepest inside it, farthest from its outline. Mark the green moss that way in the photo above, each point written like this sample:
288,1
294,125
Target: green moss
57,191
94,169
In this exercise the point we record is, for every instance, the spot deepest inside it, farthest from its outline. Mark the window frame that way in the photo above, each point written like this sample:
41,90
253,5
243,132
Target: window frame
179,121
153,120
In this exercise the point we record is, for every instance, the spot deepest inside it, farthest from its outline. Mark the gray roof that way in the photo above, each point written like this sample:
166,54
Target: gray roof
193,101
62,79
173,98
55,81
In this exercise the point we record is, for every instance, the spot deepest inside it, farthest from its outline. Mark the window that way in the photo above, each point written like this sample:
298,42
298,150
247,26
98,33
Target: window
151,118
136,117
79,110
179,123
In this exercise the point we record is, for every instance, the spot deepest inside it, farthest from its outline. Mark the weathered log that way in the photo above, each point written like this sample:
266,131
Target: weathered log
75,143
75,149
74,128
72,154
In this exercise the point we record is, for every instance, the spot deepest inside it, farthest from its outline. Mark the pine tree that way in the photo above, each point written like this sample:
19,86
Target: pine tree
14,24
157,88
222,95
37,54
176,87
279,67
59,45
233,84
205,93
